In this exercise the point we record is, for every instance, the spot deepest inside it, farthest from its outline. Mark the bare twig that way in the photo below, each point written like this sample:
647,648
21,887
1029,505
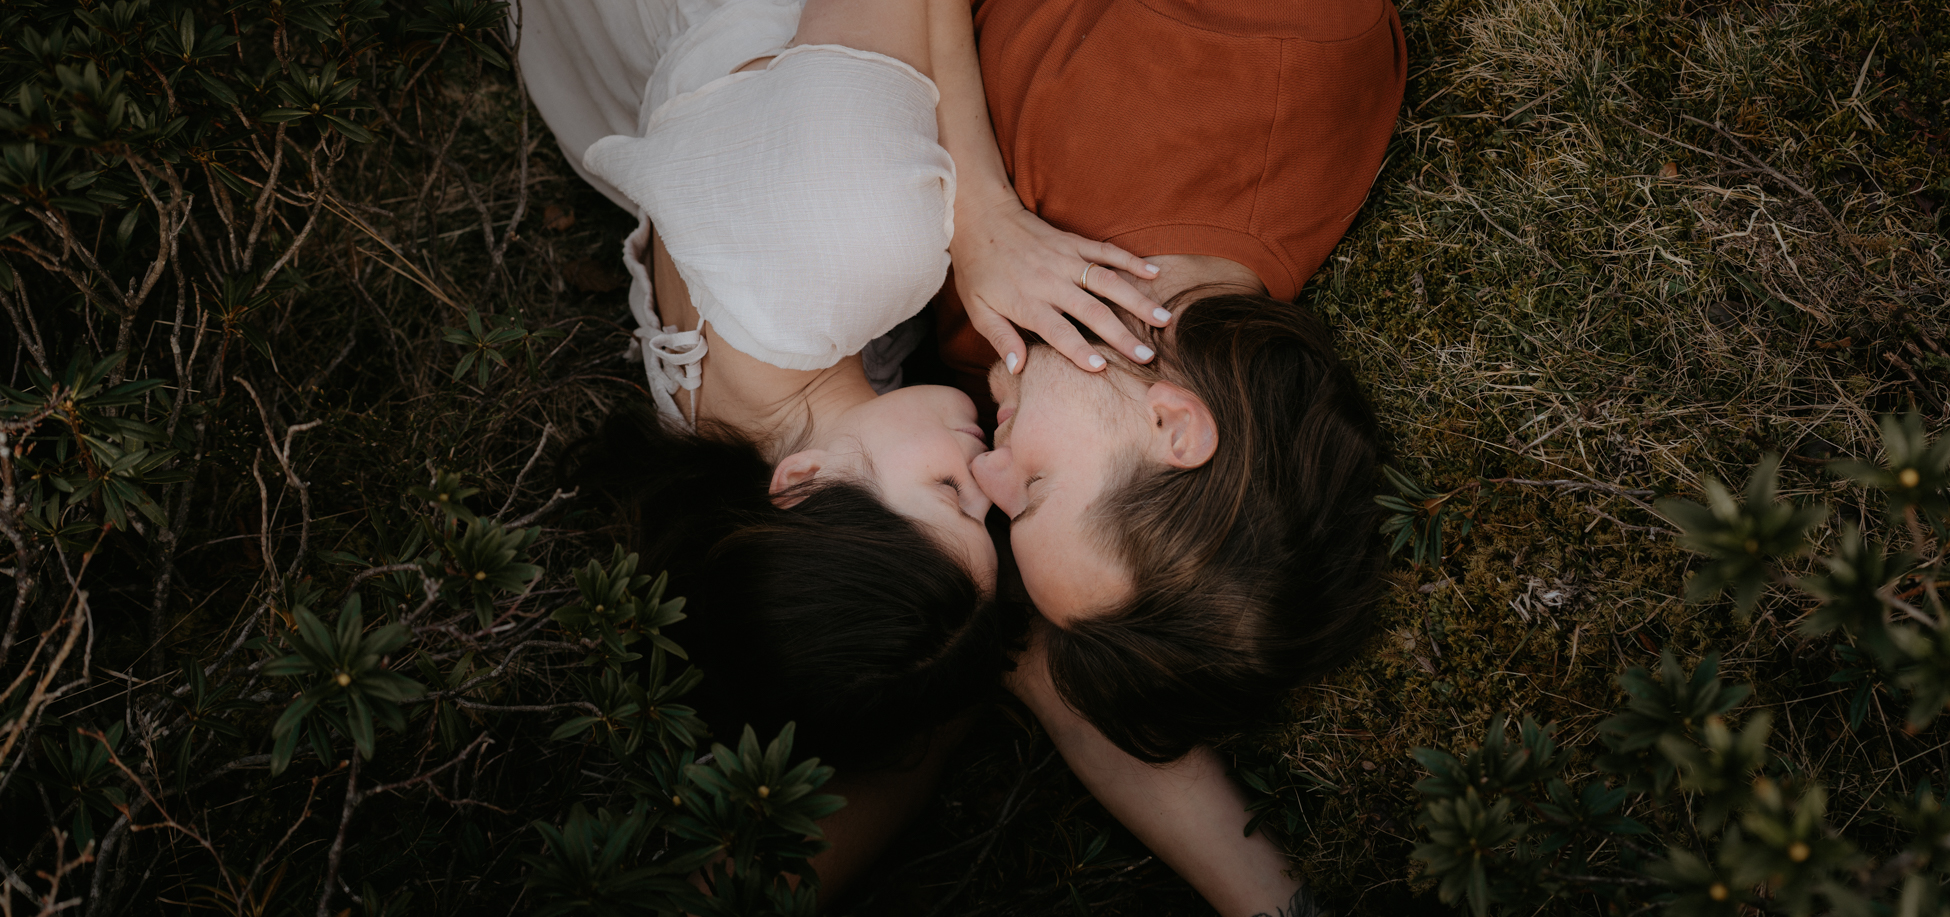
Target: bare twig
338,841
555,498
261,211
1576,486
283,455
1833,222
17,727
1648,529
25,326
515,489
371,572
481,741
528,708
26,558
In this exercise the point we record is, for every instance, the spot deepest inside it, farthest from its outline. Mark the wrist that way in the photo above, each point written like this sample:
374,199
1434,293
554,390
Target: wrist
977,199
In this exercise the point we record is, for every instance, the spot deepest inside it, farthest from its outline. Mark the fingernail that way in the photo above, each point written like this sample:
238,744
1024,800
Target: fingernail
1161,314
1151,268
1096,362
1143,352
1010,361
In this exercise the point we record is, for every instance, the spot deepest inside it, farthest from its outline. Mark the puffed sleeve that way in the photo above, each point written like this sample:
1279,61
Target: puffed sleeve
808,205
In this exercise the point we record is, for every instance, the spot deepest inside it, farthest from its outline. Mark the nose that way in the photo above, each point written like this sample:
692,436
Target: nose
992,471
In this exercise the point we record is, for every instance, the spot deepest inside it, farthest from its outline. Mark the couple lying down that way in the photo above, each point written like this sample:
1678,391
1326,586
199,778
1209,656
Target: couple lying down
1184,462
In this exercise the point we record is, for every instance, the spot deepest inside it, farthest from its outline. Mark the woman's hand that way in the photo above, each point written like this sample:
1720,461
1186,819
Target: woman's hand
1014,270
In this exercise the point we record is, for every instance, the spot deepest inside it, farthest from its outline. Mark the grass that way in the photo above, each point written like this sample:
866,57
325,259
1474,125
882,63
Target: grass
1631,245
1625,245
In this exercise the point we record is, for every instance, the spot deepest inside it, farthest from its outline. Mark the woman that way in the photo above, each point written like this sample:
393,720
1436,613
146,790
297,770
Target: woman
829,539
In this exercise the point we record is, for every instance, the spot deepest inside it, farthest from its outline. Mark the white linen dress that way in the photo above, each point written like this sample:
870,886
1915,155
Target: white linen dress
807,205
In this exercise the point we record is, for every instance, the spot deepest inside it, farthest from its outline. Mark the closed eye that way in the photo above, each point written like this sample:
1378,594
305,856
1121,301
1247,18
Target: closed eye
954,484
1034,502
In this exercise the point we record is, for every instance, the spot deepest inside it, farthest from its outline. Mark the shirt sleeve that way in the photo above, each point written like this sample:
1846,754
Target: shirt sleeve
808,205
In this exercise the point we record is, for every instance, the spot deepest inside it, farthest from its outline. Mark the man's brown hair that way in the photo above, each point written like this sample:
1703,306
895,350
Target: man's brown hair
1252,573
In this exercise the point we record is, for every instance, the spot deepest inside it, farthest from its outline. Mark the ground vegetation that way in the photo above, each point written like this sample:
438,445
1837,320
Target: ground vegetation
301,301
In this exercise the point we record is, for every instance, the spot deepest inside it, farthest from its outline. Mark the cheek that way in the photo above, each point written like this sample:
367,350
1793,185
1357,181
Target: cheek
1051,437
1044,564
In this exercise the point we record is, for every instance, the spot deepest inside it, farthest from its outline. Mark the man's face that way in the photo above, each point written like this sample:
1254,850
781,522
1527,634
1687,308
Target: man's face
1063,437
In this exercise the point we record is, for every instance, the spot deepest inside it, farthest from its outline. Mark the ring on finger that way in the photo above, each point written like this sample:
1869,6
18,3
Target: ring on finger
1083,279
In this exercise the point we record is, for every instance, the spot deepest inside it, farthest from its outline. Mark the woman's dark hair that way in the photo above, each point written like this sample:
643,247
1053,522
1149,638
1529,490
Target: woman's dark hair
1252,573
836,612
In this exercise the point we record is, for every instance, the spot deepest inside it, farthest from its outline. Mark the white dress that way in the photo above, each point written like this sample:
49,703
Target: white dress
807,205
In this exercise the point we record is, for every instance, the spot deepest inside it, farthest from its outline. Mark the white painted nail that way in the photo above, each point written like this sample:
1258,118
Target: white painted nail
1010,361
1151,268
1161,314
1096,362
1143,352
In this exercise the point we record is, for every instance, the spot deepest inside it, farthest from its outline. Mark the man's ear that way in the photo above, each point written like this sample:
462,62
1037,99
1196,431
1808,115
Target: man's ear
1183,433
792,471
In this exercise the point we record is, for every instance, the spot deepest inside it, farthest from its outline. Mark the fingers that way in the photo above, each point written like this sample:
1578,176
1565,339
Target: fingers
1063,336
1001,335
1107,253
1121,292
1112,286
1099,318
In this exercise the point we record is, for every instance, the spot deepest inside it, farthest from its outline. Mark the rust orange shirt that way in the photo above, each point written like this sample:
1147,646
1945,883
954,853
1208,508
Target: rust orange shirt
1246,129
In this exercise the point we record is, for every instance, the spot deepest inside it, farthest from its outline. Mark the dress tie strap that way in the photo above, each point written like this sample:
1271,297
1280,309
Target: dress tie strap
671,361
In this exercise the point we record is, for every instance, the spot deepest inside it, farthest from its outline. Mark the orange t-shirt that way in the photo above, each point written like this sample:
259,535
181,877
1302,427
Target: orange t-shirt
1246,129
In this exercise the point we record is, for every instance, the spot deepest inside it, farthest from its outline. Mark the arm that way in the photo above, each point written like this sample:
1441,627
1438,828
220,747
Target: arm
1011,268
1188,812
879,805
896,28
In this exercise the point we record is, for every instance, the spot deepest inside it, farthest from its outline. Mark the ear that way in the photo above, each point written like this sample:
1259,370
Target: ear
1183,433
794,470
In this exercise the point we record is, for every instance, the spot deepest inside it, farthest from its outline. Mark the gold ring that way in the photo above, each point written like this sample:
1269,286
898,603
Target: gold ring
1083,279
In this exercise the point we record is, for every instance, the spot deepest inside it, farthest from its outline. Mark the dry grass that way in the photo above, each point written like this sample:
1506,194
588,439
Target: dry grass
1565,273
1570,273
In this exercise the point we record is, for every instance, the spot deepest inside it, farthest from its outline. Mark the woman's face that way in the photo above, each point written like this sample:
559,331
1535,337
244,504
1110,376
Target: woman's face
913,445
1063,438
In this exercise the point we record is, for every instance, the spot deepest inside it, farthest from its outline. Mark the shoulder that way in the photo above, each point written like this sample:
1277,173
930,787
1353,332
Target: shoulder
808,206
1306,20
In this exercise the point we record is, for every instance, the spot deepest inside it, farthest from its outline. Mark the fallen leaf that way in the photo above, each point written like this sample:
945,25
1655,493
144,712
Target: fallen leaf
557,218
1669,170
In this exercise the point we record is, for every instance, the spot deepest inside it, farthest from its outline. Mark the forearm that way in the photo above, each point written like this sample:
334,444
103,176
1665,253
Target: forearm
1189,812
981,179
879,805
